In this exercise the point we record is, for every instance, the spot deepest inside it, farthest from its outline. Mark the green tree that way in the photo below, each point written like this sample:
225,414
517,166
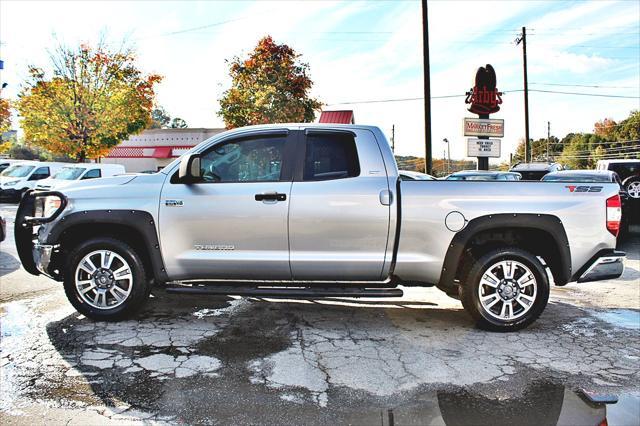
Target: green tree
271,85
160,118
95,98
178,123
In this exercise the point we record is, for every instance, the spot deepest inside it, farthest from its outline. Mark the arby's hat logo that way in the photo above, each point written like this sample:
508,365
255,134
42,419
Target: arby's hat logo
484,96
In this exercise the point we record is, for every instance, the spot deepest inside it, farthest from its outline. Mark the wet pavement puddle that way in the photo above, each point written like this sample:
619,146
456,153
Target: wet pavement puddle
229,360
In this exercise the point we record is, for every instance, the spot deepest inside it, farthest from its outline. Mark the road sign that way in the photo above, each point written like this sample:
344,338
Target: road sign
483,147
483,127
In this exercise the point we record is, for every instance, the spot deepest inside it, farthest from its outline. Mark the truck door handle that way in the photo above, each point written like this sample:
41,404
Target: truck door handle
386,197
271,196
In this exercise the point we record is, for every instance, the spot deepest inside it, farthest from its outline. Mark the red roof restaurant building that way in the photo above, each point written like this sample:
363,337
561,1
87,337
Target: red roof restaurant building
338,117
155,148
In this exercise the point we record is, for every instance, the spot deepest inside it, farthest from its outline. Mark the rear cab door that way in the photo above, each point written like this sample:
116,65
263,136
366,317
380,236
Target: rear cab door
339,212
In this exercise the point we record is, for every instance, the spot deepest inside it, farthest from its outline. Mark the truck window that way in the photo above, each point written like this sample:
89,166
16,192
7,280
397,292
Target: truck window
330,156
92,174
248,160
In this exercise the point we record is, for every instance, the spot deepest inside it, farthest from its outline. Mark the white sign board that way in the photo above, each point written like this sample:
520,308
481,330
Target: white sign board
483,147
483,127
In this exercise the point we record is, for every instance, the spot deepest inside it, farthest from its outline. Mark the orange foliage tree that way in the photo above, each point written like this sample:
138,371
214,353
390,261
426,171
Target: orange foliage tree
5,115
271,85
95,98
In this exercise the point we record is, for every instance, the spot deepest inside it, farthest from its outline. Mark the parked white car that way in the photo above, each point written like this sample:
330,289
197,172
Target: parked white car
5,163
72,173
20,177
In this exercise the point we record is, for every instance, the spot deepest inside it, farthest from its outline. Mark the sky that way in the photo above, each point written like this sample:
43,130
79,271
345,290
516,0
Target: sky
361,51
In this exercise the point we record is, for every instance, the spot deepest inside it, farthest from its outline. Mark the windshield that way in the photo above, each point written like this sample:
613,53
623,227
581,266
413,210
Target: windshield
18,171
69,173
576,178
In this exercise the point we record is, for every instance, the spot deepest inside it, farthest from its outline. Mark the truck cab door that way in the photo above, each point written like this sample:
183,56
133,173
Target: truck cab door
231,224
339,210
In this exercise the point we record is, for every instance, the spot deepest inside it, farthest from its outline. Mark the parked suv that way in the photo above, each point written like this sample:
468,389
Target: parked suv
535,171
629,172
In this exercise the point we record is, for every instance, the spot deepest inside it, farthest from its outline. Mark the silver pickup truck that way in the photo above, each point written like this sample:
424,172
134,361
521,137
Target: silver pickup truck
309,211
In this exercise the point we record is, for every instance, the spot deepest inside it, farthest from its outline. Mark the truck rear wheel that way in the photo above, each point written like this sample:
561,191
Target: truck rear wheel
505,290
105,279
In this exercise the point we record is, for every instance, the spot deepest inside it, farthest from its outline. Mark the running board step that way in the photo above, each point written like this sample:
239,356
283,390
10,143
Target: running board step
286,292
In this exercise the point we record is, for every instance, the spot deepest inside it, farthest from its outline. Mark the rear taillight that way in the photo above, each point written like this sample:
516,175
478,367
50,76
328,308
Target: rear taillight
614,214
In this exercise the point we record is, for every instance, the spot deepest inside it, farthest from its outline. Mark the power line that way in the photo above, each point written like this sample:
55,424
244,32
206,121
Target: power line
595,86
376,101
602,156
577,93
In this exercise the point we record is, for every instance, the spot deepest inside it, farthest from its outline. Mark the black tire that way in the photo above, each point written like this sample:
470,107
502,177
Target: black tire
470,297
140,286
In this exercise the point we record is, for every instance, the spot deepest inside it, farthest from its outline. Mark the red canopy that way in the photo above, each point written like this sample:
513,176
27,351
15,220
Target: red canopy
162,152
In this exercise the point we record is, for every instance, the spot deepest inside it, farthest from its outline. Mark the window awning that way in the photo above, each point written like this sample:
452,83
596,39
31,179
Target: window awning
162,152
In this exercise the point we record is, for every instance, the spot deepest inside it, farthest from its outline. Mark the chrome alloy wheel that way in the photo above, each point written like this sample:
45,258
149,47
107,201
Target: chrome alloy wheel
103,279
634,189
507,290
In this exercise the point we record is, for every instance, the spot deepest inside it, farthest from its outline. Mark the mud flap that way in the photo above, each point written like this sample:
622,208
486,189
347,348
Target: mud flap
23,232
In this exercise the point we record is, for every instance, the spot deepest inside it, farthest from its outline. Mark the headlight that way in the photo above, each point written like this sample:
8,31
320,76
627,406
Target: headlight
47,206
12,183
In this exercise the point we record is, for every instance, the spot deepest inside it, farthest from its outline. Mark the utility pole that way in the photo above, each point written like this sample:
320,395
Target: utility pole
548,138
445,140
393,138
427,89
523,38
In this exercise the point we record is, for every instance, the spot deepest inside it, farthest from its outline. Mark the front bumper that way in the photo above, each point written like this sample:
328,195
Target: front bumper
34,256
9,193
604,266
42,257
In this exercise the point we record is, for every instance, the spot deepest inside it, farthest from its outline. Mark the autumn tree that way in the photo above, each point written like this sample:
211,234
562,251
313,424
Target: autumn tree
5,115
606,128
95,98
5,123
271,85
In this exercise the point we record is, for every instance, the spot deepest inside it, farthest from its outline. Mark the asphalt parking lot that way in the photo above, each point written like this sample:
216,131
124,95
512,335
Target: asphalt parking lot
415,360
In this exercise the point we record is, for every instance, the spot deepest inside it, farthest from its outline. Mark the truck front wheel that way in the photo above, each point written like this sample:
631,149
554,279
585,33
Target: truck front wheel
505,290
105,279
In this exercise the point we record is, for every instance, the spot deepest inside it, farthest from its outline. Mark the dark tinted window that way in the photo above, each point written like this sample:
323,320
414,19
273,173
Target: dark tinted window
246,160
532,175
40,173
92,174
625,170
330,156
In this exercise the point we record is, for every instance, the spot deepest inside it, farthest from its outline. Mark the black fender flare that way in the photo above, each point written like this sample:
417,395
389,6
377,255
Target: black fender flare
138,220
547,223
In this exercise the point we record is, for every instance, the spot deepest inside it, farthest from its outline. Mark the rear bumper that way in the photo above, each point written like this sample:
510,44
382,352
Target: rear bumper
607,264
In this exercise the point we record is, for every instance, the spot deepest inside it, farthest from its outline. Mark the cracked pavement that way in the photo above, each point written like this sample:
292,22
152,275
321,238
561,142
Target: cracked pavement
198,359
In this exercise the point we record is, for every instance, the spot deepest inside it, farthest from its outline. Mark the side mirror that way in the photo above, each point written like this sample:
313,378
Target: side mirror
190,168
